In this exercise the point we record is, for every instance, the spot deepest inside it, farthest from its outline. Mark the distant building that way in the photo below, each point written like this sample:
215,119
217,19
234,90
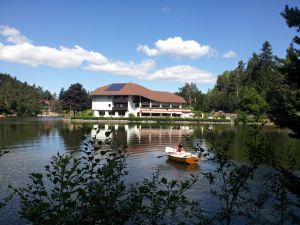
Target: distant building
122,99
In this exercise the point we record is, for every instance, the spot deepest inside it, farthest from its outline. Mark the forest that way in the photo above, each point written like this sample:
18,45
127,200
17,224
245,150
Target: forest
21,98
265,84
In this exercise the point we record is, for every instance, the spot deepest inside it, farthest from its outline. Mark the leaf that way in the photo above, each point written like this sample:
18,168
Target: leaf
161,193
164,180
107,133
173,183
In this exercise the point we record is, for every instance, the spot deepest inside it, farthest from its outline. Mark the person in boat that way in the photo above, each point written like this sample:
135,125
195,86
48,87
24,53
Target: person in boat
179,148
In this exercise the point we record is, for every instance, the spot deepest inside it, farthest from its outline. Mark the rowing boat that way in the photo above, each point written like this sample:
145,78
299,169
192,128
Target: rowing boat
182,157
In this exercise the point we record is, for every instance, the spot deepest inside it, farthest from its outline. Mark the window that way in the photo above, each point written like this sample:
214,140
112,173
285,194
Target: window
109,105
101,113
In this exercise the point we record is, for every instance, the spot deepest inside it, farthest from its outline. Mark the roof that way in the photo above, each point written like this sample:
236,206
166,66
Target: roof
135,89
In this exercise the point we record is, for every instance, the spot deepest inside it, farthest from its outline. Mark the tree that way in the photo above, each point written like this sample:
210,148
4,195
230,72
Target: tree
61,94
47,95
75,98
252,67
190,93
292,18
266,56
20,98
292,67
287,113
253,103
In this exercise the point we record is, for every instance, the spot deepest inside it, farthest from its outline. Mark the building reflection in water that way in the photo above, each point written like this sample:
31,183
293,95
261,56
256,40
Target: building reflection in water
145,137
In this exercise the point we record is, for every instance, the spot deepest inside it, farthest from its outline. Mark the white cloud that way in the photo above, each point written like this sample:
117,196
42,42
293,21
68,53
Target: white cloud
121,68
62,57
24,52
12,35
183,73
229,54
176,47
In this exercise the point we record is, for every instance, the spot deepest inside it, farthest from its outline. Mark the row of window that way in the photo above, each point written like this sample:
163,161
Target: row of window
102,113
118,105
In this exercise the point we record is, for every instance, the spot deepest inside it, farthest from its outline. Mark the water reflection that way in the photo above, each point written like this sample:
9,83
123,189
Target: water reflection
181,166
32,142
148,137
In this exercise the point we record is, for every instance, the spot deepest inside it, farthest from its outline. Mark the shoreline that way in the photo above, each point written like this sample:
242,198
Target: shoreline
146,121
153,121
110,120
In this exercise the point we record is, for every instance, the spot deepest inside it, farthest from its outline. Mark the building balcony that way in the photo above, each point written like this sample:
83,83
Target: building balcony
164,110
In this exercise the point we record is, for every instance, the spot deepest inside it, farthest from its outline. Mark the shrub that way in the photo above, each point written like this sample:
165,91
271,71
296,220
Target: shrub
89,188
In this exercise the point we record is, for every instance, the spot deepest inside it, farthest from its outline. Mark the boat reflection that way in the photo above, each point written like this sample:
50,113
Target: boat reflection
184,167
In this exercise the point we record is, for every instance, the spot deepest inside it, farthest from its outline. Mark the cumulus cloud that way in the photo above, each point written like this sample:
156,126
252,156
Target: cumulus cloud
229,54
25,52
139,70
176,47
62,57
12,35
183,73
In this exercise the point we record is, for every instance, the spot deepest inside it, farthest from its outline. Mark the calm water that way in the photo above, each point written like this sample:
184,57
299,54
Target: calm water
32,142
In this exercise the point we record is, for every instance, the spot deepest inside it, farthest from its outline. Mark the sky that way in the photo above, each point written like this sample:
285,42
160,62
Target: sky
158,44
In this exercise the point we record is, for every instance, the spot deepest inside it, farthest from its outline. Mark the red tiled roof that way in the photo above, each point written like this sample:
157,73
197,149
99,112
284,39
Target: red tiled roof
135,89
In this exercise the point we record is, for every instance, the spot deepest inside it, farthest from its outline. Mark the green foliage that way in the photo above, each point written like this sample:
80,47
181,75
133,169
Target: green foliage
75,98
253,103
194,97
89,188
131,116
242,117
56,106
85,113
20,98
292,17
232,182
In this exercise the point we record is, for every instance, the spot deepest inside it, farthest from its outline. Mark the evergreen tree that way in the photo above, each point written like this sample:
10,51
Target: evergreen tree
20,98
252,67
266,57
292,18
61,94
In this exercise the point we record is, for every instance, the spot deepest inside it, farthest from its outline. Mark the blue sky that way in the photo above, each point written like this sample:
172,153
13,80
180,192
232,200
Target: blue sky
158,44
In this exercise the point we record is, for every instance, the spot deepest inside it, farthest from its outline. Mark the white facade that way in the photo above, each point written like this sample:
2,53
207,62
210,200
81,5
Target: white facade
123,106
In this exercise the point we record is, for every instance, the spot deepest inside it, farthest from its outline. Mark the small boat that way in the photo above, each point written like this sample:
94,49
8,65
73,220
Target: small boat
182,157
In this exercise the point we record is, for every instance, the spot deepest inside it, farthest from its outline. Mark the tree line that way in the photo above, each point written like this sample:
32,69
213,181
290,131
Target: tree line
265,84
22,99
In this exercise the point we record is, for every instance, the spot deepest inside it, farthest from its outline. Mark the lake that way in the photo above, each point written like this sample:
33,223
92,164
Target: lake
32,142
